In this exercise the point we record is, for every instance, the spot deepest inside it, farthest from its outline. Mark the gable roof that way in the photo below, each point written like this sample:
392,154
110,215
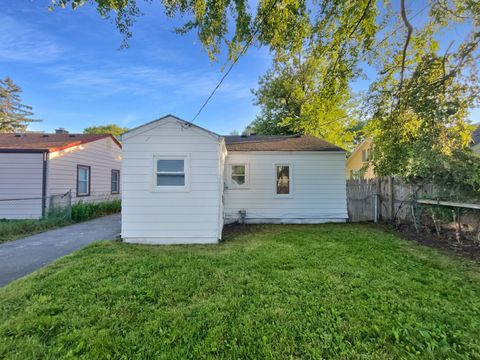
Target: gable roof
154,123
249,143
279,143
40,142
476,136
361,146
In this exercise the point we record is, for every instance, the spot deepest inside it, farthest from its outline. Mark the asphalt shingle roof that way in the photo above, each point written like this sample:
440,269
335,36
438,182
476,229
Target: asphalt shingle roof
278,143
46,142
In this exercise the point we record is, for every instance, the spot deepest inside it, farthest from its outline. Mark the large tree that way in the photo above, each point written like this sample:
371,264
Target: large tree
283,25
297,100
113,129
326,39
14,116
420,102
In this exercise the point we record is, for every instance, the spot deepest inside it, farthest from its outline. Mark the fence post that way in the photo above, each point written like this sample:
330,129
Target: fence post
391,200
69,197
377,198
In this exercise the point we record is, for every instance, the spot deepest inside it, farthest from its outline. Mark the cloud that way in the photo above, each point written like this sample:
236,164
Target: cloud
108,80
21,42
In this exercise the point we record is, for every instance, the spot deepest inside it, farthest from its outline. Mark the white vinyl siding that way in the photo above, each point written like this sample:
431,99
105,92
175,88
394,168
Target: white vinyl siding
21,177
317,188
102,156
169,215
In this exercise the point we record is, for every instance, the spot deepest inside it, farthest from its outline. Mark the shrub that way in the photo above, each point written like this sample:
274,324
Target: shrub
82,211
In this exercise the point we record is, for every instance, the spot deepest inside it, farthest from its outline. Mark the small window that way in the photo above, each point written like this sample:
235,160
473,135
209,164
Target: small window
171,173
283,179
83,180
238,175
115,182
366,155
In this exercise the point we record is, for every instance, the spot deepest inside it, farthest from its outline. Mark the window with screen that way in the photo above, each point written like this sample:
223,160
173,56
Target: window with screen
83,180
283,179
115,182
171,173
238,175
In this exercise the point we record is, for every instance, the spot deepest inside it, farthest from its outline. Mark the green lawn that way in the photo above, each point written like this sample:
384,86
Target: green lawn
331,291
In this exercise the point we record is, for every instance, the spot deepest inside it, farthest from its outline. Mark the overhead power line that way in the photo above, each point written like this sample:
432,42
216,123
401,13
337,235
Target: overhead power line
242,52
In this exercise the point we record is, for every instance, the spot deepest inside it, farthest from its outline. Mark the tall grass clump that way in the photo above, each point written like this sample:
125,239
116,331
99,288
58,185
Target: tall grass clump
82,211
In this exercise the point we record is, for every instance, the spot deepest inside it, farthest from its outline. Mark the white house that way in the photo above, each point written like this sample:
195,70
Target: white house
181,183
34,167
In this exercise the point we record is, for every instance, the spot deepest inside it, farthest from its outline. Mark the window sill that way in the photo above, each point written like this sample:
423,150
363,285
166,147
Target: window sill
283,196
238,188
170,189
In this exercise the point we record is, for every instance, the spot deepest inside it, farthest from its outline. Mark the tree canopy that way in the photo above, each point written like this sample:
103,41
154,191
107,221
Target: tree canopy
418,104
113,129
14,115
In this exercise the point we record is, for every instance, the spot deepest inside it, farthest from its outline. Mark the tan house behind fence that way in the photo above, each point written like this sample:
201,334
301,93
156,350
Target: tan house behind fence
357,165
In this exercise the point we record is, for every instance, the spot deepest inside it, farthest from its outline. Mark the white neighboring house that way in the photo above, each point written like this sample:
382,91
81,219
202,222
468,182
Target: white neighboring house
181,183
36,166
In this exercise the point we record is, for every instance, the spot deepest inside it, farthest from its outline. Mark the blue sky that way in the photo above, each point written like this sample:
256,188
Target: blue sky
74,75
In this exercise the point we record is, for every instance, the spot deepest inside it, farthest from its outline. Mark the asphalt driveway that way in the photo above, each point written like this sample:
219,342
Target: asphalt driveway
23,256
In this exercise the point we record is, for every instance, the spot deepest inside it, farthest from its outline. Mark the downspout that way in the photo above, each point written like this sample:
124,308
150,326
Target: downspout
44,184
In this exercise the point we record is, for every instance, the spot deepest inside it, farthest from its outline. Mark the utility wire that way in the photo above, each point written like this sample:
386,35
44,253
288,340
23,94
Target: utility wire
242,52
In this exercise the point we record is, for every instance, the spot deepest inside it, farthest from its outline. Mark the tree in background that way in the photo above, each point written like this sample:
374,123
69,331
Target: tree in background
298,101
419,104
113,129
317,47
14,116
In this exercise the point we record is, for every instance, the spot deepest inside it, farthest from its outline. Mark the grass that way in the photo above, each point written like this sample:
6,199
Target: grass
14,229
306,292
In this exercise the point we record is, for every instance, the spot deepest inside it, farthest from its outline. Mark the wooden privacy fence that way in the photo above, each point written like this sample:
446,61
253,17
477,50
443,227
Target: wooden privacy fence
384,198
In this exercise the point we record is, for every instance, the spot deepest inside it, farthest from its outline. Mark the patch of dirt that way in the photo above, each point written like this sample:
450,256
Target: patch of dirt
234,229
468,247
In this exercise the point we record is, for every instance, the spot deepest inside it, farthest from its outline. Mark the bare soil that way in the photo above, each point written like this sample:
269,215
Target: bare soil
467,247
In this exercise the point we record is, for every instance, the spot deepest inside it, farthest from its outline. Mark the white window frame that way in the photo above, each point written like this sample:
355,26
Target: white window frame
290,181
186,170
117,183
89,180
231,184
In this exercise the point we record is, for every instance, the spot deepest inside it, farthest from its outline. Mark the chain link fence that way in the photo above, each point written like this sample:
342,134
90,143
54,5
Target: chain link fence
56,206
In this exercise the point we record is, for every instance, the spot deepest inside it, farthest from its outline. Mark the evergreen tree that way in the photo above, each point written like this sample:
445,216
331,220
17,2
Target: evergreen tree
14,116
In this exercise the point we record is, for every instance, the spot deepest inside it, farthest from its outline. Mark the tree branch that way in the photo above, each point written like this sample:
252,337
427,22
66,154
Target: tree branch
407,41
351,33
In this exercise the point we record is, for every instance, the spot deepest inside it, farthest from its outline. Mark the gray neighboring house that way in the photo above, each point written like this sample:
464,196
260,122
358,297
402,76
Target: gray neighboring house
36,166
476,140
